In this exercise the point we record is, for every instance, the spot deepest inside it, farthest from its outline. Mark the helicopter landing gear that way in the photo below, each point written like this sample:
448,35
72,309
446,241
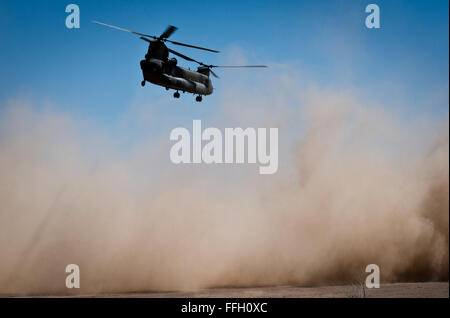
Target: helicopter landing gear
143,83
198,98
176,95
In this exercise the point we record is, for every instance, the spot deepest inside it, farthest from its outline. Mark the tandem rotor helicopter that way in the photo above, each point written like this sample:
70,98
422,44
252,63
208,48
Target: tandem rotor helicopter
159,69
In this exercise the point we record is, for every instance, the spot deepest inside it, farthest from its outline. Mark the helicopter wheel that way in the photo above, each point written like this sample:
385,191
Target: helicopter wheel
198,98
143,83
176,95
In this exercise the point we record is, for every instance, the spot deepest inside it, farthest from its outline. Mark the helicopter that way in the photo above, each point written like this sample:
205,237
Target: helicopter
160,69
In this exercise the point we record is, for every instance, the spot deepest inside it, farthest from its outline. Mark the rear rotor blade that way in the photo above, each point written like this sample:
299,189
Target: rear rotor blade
214,74
230,66
170,29
187,58
193,46
236,66
122,29
192,60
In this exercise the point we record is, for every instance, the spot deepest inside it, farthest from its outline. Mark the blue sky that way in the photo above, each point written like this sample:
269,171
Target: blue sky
94,71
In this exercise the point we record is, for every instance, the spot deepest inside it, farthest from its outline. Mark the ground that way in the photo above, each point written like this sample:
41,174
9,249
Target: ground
400,290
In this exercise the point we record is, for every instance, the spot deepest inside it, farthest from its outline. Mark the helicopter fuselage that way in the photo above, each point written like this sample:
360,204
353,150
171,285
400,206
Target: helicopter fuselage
159,69
169,75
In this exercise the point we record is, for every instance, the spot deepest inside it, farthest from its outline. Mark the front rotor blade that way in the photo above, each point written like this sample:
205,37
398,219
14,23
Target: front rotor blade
170,29
122,29
163,36
145,39
184,56
193,46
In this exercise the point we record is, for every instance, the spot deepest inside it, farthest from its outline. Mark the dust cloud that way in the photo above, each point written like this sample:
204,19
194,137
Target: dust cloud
354,187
